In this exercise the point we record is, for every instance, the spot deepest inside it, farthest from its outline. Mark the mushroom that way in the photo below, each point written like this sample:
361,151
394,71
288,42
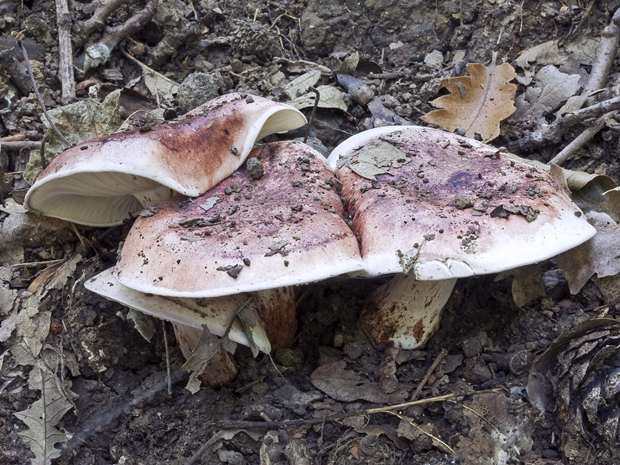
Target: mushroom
274,224
433,206
102,181
250,232
189,317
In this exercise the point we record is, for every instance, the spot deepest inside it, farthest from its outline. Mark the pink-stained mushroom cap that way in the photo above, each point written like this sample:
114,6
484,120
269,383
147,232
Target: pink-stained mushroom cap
449,207
102,181
249,233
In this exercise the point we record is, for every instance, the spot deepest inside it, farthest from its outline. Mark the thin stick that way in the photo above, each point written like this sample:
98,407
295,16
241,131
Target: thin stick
97,20
582,139
42,151
428,374
553,133
169,378
46,262
36,92
65,50
605,55
216,437
342,416
445,445
316,104
18,145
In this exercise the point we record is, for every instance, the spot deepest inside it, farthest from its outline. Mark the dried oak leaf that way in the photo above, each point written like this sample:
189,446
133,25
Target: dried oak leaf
477,103
42,417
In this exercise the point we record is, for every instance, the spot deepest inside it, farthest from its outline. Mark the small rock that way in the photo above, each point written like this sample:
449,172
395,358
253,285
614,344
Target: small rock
472,347
476,371
231,457
198,88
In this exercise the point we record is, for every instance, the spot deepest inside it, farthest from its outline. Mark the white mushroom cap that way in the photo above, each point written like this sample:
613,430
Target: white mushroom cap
102,181
245,234
437,214
217,314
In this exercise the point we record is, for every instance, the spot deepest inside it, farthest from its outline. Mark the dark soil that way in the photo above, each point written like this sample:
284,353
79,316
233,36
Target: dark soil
123,412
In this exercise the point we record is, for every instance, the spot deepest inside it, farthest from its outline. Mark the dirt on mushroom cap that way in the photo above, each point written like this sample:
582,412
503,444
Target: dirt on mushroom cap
287,229
416,216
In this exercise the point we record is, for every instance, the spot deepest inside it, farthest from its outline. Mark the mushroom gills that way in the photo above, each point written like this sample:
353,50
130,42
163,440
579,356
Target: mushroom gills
216,313
405,312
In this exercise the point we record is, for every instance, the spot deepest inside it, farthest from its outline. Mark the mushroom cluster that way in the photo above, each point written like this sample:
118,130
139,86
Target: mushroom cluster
419,203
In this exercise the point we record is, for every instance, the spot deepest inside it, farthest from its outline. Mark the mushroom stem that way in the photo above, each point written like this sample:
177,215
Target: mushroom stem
404,312
277,309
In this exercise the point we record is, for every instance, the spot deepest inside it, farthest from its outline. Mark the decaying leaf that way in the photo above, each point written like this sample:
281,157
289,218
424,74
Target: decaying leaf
154,81
31,324
527,283
600,255
207,347
495,436
7,296
330,98
551,90
546,53
382,115
78,122
248,315
145,324
372,160
477,103
42,417
346,386
543,54
298,87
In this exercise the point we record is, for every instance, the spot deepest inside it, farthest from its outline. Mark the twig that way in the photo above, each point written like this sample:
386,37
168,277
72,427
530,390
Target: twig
216,437
18,145
316,104
163,325
96,22
552,134
605,55
342,416
99,52
394,75
582,139
42,151
575,29
65,50
445,445
46,262
428,374
36,92
601,65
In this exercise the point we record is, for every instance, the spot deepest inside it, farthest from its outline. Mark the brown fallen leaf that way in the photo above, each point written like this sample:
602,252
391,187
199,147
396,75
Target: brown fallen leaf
597,256
347,386
477,103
